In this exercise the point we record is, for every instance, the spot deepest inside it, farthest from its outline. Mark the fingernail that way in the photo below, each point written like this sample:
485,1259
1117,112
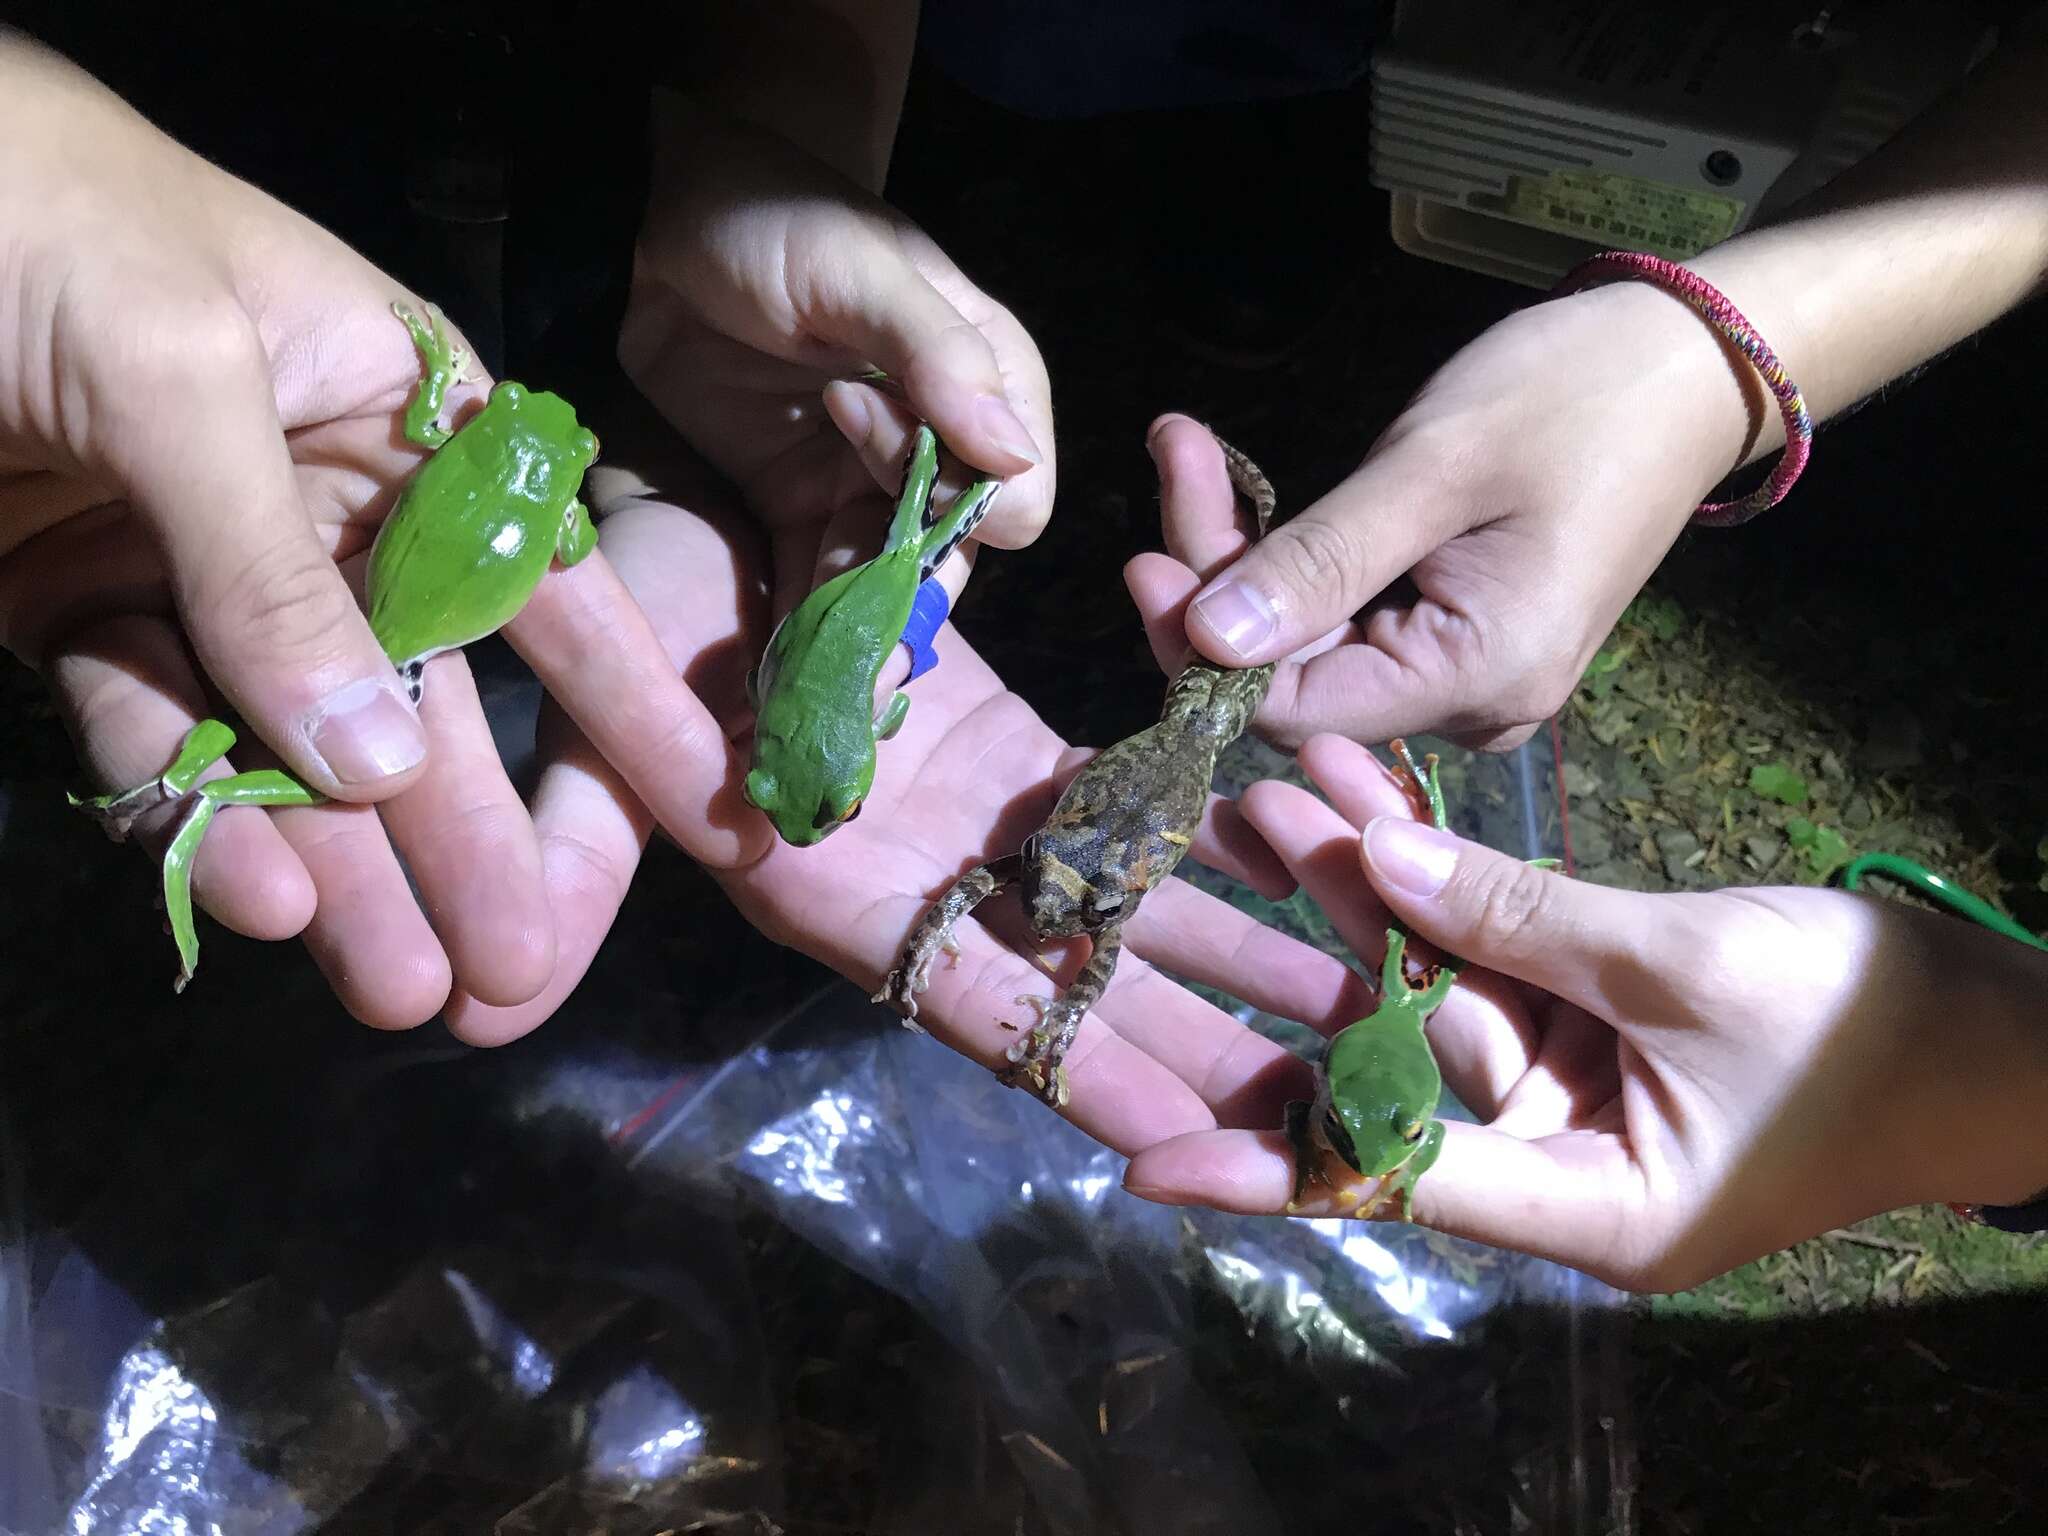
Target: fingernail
1238,615
1409,856
994,416
365,733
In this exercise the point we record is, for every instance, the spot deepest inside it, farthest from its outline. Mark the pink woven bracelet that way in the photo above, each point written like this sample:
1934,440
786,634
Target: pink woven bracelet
1713,306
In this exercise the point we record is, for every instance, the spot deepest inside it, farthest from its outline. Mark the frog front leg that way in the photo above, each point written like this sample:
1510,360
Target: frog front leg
934,933
891,719
1402,1181
1040,1057
578,536
444,366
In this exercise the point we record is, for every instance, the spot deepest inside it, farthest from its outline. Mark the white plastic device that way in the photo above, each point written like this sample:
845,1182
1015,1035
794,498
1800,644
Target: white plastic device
1518,137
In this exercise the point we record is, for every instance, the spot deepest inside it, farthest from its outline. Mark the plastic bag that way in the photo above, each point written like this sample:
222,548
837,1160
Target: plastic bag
717,1250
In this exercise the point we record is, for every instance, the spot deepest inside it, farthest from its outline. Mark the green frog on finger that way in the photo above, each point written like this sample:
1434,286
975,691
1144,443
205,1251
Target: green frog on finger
1371,1132
815,724
476,528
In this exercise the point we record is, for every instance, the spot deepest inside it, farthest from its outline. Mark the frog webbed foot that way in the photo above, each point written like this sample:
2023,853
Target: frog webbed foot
1039,1058
900,988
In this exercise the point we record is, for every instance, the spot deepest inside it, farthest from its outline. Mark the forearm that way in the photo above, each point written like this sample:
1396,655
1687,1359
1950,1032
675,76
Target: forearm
1905,255
827,75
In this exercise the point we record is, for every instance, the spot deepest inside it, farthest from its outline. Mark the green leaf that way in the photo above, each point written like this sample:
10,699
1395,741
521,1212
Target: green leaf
1661,616
1774,781
1824,847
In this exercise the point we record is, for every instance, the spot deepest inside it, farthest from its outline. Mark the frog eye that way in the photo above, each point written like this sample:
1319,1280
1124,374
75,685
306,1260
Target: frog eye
827,818
511,393
1108,902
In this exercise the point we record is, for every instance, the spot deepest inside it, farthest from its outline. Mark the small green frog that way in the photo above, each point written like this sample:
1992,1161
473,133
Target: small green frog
1377,1084
814,692
473,533
482,519
1118,831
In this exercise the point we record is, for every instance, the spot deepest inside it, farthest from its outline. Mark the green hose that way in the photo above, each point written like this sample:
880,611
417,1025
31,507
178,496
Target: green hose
1931,885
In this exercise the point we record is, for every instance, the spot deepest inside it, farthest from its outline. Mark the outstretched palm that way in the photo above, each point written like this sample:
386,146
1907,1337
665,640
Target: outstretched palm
971,773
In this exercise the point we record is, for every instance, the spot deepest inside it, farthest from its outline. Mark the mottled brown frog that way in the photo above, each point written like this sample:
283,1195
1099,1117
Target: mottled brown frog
1118,831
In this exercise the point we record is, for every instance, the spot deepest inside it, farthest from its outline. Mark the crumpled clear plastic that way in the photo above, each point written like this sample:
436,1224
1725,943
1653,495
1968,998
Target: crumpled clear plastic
415,1287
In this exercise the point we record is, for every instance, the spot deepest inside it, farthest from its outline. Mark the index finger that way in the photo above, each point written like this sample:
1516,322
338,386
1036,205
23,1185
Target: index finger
596,653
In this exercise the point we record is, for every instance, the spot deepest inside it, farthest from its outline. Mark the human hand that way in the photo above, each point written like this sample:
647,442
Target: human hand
1667,1085
1525,494
764,283
971,773
197,429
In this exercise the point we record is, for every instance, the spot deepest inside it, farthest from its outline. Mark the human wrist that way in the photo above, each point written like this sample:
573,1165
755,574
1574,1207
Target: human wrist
1694,392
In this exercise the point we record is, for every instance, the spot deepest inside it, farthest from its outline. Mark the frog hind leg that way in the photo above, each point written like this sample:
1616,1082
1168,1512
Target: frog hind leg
934,933
260,787
204,745
442,365
178,857
578,536
1040,1057
892,717
1411,1172
913,502
949,530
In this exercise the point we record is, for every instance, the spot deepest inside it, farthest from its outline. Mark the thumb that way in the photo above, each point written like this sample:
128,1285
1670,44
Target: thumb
269,615
1313,572
1583,943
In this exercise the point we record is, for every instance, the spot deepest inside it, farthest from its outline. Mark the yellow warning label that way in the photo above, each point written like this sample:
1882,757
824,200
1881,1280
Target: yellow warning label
1673,222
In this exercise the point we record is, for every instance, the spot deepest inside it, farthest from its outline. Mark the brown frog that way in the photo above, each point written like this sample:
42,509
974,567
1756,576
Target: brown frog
1118,831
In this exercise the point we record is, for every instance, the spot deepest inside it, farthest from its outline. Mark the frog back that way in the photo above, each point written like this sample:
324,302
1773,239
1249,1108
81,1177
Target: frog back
477,526
814,735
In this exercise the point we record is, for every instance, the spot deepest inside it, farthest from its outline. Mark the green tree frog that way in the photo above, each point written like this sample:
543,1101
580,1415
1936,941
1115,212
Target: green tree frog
815,725
473,533
1377,1084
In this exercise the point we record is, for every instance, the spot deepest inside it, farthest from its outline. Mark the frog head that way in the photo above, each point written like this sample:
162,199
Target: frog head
1382,1085
1067,886
549,419
807,794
